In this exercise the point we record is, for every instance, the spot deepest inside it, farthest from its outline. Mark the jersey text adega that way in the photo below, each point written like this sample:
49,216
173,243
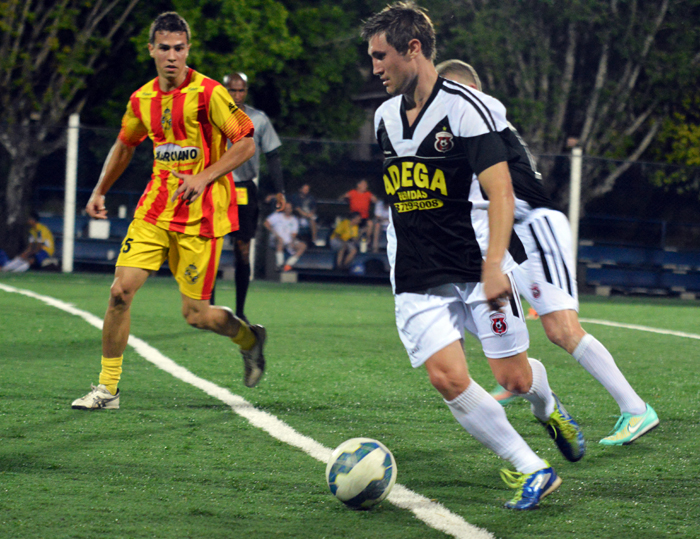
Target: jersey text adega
410,174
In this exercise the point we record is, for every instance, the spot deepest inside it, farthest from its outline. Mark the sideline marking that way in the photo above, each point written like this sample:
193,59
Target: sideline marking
640,328
432,513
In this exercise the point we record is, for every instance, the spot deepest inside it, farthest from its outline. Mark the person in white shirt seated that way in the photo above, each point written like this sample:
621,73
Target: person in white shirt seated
284,228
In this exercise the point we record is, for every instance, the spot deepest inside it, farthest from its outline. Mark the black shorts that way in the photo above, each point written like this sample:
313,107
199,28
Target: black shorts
248,212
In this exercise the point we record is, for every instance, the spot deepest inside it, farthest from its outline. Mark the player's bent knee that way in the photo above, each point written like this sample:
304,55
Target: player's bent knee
194,319
120,297
517,381
449,385
563,329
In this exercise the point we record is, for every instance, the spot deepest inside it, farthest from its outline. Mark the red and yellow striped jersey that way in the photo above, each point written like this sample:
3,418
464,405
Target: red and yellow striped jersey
189,127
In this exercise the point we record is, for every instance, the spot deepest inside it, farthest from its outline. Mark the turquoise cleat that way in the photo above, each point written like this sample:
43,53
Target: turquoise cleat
630,427
502,395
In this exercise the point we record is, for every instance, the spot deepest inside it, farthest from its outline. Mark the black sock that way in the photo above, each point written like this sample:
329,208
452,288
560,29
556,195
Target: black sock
242,283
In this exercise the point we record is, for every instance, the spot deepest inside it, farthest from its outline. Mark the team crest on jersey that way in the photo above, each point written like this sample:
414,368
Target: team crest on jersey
191,274
166,120
444,142
536,292
498,324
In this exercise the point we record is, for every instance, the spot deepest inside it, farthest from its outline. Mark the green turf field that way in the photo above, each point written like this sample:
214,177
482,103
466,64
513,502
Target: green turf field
174,462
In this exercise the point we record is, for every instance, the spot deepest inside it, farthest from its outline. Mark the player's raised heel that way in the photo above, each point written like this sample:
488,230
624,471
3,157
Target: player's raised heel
253,359
565,432
630,427
531,488
99,398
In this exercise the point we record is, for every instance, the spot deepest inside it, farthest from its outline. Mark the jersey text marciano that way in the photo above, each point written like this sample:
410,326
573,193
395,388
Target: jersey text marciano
436,234
189,127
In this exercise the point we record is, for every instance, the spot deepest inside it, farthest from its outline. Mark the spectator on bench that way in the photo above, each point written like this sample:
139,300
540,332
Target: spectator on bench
305,207
359,200
38,253
284,228
344,240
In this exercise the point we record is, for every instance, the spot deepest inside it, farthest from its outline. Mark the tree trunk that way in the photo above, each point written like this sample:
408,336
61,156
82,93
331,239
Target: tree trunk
17,196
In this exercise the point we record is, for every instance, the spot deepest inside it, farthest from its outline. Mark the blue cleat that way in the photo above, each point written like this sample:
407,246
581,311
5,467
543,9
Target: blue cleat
531,488
565,432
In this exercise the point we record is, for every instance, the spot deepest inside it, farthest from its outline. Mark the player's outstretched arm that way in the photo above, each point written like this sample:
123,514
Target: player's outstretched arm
117,160
496,182
193,185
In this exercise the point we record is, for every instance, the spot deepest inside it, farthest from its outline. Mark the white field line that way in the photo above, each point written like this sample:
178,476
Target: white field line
640,328
433,514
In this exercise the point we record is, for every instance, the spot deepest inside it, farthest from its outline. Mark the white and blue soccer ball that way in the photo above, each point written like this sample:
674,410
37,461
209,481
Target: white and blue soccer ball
361,472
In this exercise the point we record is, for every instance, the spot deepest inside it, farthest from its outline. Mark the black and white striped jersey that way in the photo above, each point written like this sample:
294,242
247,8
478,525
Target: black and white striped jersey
527,181
436,236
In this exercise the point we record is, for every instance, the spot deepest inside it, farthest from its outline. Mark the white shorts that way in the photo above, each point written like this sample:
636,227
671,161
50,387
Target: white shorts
430,321
547,279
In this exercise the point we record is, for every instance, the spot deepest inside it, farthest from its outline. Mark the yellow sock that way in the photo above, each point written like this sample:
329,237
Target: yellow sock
245,338
111,372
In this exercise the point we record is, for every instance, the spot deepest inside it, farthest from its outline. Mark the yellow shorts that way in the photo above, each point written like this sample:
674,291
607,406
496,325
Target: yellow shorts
193,260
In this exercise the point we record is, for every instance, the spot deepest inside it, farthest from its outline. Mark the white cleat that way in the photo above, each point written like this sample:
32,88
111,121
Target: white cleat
98,399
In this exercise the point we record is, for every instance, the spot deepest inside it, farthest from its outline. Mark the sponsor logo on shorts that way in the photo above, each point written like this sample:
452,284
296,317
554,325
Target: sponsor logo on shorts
191,274
536,292
498,324
173,153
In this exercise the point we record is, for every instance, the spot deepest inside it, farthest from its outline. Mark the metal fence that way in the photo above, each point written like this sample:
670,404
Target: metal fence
636,211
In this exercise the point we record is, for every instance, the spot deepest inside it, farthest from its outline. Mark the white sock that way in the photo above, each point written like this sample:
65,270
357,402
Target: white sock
482,417
292,260
279,258
540,394
596,359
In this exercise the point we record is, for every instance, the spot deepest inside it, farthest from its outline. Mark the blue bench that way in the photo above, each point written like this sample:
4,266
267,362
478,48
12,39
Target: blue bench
620,255
641,270
117,227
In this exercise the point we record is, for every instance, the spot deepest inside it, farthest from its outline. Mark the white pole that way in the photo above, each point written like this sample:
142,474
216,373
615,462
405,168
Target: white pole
69,193
575,198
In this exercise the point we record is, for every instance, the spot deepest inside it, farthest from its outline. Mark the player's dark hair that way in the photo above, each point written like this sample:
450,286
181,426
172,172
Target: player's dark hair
354,214
168,22
235,76
401,22
460,69
34,215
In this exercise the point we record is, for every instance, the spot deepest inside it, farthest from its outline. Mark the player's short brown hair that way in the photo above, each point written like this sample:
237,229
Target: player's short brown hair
169,21
401,22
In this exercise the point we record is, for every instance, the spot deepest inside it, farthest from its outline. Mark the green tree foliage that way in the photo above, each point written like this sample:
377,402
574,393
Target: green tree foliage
600,72
249,36
679,144
48,50
315,89
301,58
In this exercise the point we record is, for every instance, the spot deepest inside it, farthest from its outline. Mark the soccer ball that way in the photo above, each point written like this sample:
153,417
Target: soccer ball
361,472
